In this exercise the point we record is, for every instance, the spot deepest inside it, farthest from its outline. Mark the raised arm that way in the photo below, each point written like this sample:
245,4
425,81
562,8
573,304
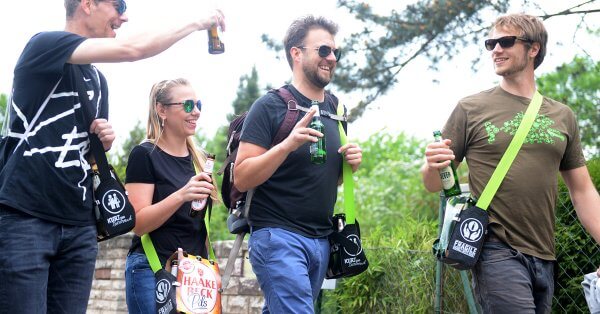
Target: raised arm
108,50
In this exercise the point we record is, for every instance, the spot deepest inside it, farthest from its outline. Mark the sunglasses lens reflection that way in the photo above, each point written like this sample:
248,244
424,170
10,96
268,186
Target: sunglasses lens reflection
324,51
189,104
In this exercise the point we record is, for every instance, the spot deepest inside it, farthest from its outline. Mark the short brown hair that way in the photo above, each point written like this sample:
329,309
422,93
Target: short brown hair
531,27
299,28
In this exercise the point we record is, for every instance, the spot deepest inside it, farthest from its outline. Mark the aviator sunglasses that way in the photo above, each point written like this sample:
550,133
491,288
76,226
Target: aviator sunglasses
325,50
505,42
188,105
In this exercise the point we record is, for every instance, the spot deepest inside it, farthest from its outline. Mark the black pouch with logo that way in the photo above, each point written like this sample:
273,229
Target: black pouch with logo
346,255
466,238
114,213
165,292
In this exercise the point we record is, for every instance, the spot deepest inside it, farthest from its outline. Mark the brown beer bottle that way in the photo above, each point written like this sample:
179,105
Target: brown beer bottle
215,45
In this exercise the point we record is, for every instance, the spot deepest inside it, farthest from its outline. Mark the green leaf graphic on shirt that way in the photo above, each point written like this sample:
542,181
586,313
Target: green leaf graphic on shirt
540,133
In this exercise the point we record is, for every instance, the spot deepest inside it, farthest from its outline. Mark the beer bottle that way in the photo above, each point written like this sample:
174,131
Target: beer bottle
215,45
318,151
174,264
448,174
198,205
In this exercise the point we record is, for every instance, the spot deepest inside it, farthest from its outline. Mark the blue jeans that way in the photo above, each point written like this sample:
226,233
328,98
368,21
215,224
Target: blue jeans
140,284
290,269
45,267
508,281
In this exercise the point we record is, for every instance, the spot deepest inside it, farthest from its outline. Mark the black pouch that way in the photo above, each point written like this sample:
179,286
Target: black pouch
466,238
346,255
165,292
114,214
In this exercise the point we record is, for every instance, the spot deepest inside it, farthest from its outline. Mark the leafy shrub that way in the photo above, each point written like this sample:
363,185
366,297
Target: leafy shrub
577,252
400,277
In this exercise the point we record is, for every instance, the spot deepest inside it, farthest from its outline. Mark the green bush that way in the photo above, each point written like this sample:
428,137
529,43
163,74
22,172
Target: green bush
577,252
400,277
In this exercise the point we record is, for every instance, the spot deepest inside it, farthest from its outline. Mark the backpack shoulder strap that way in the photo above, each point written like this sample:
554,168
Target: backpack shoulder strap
291,116
343,118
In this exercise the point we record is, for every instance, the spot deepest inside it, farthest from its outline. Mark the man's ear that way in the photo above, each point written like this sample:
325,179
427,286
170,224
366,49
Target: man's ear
534,50
86,6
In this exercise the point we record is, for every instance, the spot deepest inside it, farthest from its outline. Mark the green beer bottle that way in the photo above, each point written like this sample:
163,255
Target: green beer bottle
448,174
318,151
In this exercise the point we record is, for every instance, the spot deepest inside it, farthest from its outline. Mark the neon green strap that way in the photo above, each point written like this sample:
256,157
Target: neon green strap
349,206
511,152
151,253
211,252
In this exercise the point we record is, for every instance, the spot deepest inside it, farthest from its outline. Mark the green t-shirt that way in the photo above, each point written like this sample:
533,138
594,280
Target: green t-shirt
522,211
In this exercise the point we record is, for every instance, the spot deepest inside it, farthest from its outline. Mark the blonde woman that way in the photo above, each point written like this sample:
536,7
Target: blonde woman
162,181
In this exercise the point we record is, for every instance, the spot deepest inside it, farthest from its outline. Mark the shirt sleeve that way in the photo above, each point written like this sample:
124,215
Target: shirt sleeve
258,126
47,52
139,167
455,129
573,156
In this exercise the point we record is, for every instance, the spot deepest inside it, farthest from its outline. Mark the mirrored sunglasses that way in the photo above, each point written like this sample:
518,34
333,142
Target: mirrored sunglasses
188,105
505,42
120,6
325,50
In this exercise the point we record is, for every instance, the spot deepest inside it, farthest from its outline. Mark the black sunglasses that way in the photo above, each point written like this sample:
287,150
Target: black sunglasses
325,50
188,105
505,42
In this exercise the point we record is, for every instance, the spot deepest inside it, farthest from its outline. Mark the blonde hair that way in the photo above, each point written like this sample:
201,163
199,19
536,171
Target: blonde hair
531,27
161,94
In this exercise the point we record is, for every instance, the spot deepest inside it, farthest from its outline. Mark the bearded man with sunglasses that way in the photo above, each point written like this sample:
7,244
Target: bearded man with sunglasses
47,223
515,271
294,198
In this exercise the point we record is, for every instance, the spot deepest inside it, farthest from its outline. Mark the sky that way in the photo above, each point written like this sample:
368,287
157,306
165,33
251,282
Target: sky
416,105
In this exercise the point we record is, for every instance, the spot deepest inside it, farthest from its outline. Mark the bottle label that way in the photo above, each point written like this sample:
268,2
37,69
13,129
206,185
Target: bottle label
447,178
209,166
198,204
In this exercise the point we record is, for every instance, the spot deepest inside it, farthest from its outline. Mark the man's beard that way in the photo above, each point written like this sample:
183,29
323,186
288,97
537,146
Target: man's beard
314,77
515,67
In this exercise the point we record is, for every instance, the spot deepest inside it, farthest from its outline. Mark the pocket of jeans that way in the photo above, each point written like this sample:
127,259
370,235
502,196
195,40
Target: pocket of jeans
258,245
138,262
494,254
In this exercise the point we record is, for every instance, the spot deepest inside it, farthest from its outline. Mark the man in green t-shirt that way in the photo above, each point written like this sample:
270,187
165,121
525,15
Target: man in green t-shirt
515,271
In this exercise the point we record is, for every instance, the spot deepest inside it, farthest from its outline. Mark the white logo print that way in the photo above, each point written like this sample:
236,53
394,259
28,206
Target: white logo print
113,201
356,241
471,230
163,287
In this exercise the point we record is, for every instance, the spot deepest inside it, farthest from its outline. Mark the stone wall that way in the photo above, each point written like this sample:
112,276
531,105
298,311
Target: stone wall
242,296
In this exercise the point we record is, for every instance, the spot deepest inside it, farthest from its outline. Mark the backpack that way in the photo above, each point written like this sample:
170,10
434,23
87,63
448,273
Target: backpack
238,203
233,199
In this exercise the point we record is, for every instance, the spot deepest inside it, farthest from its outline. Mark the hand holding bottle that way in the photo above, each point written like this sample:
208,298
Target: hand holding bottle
200,204
301,134
448,174
198,187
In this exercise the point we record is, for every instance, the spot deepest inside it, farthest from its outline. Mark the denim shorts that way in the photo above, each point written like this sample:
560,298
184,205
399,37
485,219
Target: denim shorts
45,267
290,269
508,281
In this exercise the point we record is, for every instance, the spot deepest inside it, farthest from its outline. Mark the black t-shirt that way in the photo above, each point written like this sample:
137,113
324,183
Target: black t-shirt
300,195
48,175
149,164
